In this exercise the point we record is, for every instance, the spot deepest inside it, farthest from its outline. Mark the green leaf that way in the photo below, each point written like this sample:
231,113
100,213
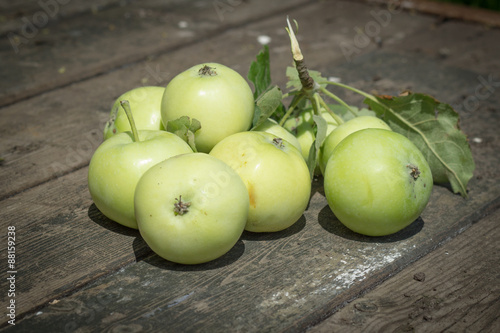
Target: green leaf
294,81
266,104
185,128
260,72
313,158
434,128
321,129
278,113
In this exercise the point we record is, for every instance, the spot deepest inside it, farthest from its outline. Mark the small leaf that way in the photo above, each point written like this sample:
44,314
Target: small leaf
195,125
434,128
294,81
312,160
278,113
185,128
321,129
266,104
260,72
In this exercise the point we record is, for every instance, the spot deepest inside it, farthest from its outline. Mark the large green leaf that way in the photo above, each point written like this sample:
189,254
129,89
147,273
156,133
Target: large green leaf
266,104
434,128
260,72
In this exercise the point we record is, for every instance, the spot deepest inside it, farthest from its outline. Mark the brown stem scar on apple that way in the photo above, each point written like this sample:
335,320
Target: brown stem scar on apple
181,207
415,172
278,142
207,71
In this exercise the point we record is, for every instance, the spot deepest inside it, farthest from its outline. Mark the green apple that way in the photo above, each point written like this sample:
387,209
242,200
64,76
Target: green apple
342,131
191,208
275,174
145,103
377,182
119,162
215,95
272,126
304,128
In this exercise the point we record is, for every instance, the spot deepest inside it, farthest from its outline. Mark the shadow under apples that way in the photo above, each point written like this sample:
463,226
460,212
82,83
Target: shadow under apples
269,236
330,223
144,253
317,185
99,218
227,259
141,249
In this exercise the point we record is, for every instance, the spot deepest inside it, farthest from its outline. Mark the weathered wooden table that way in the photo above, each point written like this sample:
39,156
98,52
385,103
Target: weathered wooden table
63,63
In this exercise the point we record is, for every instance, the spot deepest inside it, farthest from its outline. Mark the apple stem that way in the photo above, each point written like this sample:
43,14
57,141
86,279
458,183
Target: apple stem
339,100
337,119
296,100
126,107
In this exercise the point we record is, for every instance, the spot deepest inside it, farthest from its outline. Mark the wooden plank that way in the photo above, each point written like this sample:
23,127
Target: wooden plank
457,44
65,125
455,288
96,42
281,282
62,240
22,14
447,10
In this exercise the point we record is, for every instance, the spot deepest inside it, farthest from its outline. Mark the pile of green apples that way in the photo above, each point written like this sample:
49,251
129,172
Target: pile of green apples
183,166
192,194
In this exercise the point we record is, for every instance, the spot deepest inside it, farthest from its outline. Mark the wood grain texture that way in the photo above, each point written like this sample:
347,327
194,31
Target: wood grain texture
315,265
18,16
63,242
459,293
95,42
57,132
80,271
282,281
446,10
45,158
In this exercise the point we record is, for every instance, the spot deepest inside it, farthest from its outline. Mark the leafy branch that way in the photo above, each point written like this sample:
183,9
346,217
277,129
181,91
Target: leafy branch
431,125
434,128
